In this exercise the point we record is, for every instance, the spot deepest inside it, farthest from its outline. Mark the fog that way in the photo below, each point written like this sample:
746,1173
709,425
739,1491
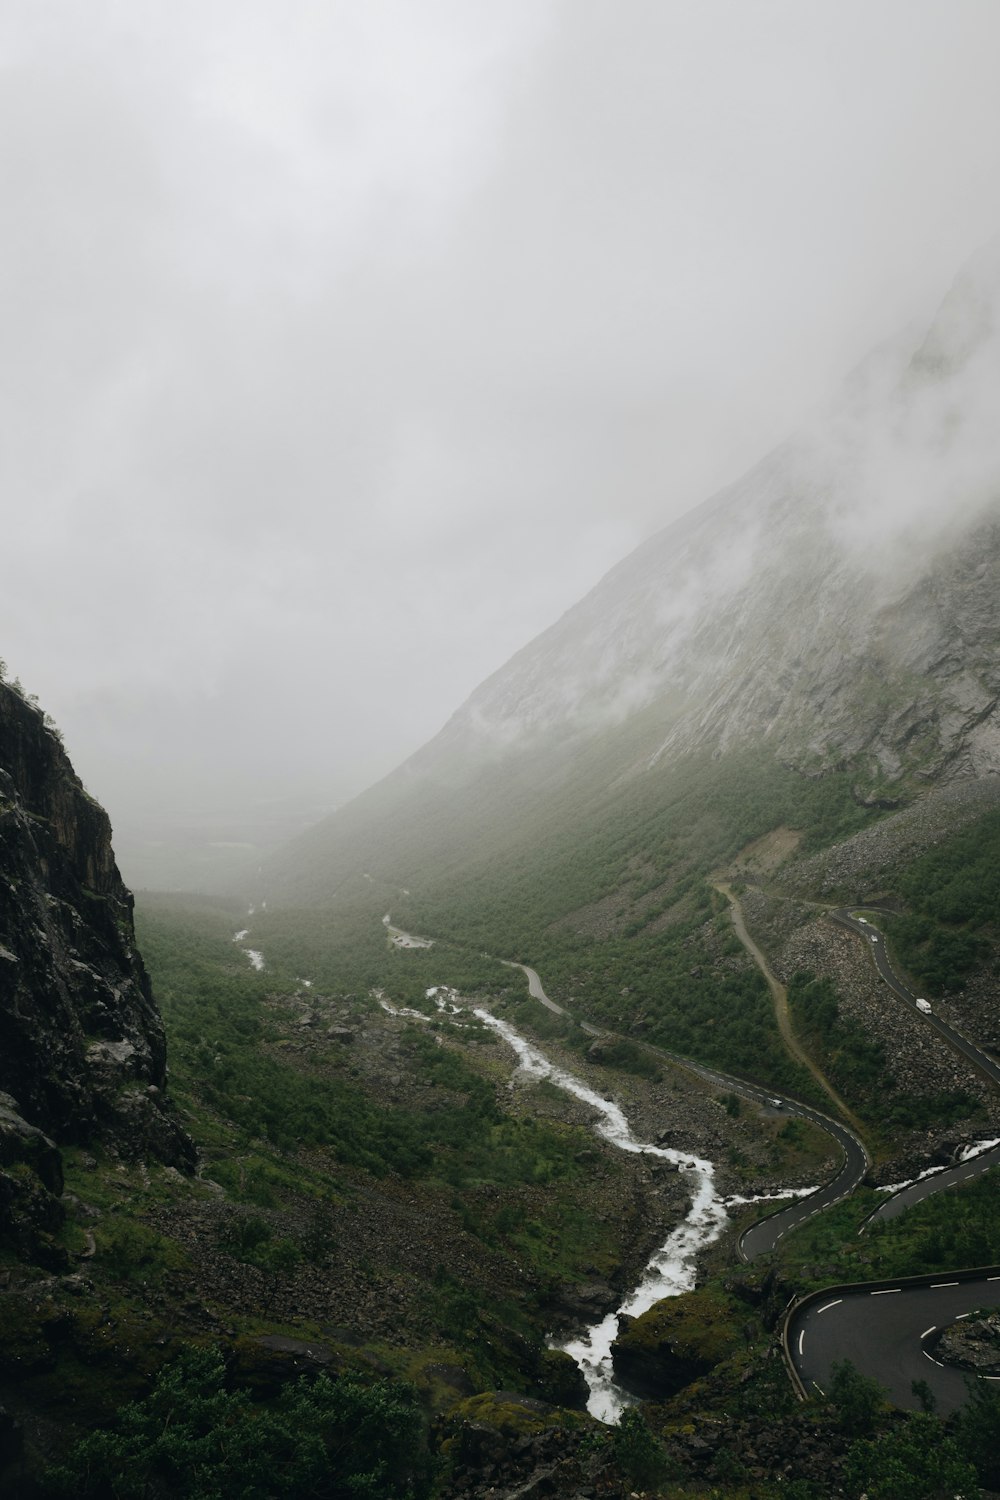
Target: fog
348,345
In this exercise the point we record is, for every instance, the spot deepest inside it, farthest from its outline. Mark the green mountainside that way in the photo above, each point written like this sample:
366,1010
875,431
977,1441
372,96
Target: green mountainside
783,705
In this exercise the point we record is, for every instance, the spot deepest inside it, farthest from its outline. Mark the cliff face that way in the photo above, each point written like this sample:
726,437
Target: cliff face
82,1052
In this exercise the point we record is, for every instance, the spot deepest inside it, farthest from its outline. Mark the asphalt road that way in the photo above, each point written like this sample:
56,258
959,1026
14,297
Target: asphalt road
986,1064
764,1235
888,1334
946,1178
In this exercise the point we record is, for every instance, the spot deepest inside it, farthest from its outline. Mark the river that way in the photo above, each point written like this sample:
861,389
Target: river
673,1268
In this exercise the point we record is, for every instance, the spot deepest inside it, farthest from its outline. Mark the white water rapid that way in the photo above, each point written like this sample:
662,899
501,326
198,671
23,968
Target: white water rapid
672,1269
256,958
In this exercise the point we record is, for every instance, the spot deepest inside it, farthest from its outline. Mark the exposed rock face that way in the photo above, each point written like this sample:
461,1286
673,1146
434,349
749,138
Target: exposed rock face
82,1051
840,601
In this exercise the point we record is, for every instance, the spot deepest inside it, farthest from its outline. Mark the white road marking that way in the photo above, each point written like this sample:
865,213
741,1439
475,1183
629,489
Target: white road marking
827,1305
935,1285
928,1330
888,1291
801,1338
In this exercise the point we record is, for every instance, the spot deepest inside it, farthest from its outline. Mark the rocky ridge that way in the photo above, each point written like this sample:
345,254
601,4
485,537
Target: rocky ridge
819,603
82,1048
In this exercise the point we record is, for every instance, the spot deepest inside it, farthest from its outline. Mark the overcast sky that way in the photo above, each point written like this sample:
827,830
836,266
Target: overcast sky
345,345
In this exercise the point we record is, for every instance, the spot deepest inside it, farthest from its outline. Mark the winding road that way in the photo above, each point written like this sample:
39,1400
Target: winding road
763,1236
956,1039
934,1182
886,1329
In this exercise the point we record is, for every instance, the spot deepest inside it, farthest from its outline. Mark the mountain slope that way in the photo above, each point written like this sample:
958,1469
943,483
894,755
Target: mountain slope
836,610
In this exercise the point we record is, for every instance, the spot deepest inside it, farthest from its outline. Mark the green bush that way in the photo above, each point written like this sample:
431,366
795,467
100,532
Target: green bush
638,1453
915,1462
977,1431
857,1400
193,1439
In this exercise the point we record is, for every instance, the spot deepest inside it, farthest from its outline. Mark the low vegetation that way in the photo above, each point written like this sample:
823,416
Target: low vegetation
952,896
385,1158
193,1437
858,1067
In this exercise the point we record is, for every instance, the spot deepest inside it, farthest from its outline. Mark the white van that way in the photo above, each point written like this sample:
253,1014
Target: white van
925,1006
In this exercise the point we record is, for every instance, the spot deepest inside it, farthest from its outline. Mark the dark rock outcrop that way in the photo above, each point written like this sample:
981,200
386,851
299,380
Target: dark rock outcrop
676,1342
972,1345
82,1048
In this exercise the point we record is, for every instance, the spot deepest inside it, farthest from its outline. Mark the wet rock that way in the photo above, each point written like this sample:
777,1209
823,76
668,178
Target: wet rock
264,1364
77,1016
542,1482
561,1381
973,1344
452,1376
21,1142
587,1302
676,1342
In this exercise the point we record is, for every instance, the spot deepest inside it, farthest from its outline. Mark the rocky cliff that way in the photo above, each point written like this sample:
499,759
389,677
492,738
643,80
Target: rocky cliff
82,1051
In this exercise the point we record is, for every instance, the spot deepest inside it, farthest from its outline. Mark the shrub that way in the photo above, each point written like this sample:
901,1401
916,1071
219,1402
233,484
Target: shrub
912,1463
856,1398
193,1439
638,1453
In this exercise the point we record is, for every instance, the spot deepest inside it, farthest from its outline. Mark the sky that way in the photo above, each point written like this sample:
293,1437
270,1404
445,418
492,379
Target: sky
346,345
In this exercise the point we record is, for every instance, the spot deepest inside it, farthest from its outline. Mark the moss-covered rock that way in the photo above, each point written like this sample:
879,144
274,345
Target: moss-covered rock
507,1412
676,1342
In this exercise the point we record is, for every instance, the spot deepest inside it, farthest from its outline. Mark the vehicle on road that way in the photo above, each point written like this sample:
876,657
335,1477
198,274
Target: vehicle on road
924,1005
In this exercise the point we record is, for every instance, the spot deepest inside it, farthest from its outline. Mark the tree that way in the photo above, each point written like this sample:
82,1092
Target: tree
924,1394
916,1462
977,1431
193,1439
638,1453
857,1398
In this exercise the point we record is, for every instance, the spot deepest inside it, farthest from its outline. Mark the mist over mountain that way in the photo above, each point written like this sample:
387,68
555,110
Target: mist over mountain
837,607
784,702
